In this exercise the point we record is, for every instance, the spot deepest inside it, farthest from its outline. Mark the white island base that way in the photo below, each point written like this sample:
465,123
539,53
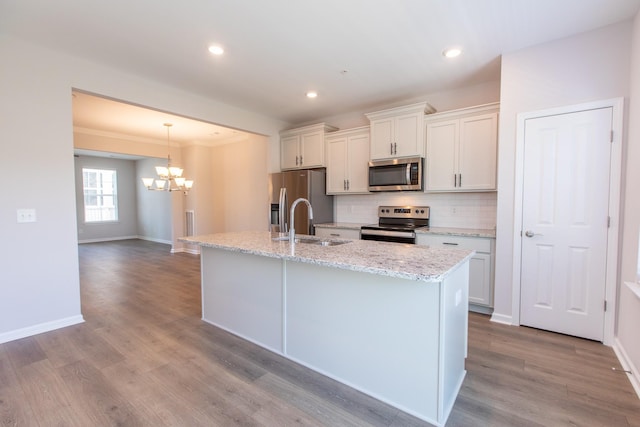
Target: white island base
401,341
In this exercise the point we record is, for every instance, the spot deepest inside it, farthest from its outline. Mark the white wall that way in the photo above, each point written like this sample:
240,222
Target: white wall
40,282
241,196
40,264
586,67
127,224
629,304
484,93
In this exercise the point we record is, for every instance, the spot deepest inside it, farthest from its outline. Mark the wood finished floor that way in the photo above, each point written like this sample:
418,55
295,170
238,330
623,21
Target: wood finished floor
144,358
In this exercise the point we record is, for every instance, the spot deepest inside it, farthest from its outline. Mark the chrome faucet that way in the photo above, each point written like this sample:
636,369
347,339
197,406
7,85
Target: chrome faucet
292,231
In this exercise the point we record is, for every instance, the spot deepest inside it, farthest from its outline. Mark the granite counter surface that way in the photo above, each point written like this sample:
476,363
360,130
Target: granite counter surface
462,232
413,262
345,225
447,231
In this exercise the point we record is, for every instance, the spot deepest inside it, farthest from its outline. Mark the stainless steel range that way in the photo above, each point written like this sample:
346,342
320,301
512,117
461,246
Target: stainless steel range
396,224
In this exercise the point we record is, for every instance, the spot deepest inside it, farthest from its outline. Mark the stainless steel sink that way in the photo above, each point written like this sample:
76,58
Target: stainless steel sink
320,242
311,241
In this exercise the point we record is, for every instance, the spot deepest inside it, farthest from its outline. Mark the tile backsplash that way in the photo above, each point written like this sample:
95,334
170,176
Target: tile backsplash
460,210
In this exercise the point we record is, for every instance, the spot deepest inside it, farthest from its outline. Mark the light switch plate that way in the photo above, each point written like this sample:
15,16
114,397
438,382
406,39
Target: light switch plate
26,215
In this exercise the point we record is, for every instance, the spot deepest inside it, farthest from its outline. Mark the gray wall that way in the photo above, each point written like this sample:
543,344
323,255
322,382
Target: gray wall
153,207
127,224
141,213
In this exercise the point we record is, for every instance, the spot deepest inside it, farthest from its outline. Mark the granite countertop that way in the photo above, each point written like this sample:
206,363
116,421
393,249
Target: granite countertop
447,231
462,232
346,225
413,262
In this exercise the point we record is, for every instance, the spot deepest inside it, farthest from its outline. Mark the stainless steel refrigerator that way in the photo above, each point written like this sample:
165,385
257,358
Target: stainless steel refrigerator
286,187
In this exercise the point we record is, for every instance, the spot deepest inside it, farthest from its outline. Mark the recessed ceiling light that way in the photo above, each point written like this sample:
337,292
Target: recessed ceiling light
216,50
452,52
312,94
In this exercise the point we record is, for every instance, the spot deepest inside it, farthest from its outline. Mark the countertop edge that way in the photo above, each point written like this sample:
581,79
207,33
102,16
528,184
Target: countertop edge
445,231
462,255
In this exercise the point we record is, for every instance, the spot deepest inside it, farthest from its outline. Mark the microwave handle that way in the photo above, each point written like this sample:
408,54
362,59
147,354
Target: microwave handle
408,173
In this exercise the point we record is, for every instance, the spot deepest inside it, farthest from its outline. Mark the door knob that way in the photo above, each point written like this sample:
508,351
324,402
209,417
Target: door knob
530,233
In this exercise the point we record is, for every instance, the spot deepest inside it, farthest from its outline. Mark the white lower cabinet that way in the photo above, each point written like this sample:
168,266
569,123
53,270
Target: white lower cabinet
338,233
481,266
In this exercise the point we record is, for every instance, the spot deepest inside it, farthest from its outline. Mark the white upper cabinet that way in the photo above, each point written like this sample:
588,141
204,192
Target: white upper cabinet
462,148
348,161
398,132
303,148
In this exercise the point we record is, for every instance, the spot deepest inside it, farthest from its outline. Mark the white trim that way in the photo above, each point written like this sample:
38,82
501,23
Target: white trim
40,328
108,239
151,239
611,291
186,250
627,365
634,287
502,319
113,239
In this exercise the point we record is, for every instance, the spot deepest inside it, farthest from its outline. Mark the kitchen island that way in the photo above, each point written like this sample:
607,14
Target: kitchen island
387,319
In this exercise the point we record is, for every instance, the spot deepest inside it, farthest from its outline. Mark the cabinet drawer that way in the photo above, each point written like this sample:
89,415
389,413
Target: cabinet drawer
338,233
478,244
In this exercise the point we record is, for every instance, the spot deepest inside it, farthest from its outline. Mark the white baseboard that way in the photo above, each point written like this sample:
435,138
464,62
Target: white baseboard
186,250
107,239
501,318
627,365
480,309
113,239
151,239
40,328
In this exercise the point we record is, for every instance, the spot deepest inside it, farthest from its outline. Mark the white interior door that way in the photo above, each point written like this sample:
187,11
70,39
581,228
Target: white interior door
564,222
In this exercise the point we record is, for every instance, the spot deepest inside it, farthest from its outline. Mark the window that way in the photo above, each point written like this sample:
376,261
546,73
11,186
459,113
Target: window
100,195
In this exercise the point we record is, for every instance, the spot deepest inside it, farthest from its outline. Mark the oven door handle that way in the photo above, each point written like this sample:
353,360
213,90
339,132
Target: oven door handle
388,233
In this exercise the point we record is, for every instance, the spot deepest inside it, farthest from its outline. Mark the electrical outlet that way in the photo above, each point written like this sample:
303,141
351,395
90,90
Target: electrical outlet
26,215
453,210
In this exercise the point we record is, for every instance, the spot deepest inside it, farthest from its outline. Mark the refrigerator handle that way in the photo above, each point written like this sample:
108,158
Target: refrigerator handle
282,211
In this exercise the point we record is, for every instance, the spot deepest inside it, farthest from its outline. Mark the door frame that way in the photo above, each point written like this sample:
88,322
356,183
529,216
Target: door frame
611,281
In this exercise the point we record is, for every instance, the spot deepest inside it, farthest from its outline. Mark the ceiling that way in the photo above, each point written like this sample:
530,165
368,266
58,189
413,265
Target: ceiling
357,54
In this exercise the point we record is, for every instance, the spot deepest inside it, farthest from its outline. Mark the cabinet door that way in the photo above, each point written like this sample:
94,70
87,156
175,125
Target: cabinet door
337,165
480,279
382,136
312,150
442,139
478,152
409,136
358,164
289,158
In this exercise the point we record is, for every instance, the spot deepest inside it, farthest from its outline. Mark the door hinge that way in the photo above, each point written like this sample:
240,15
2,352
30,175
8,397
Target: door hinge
611,137
608,222
605,305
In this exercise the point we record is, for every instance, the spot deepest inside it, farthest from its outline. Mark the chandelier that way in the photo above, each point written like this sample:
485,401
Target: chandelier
169,177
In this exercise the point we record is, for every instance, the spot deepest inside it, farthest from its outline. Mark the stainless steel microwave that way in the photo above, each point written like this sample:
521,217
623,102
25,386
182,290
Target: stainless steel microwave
396,174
